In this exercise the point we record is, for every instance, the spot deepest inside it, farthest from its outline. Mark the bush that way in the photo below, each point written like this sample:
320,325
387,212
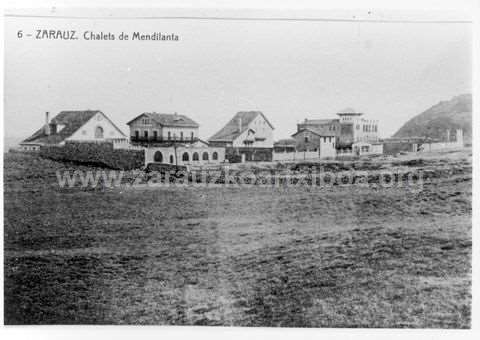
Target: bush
98,154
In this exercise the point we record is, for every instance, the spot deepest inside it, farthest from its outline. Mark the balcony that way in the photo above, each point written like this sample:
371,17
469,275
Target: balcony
159,139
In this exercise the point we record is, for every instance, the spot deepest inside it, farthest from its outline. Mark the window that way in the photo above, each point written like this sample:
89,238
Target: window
191,135
145,134
205,156
195,156
145,121
185,157
181,135
215,156
137,134
98,132
158,157
171,159
169,135
324,139
155,135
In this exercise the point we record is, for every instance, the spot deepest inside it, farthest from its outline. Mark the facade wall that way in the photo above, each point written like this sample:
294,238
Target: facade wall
358,129
327,147
88,131
347,136
310,142
262,130
185,155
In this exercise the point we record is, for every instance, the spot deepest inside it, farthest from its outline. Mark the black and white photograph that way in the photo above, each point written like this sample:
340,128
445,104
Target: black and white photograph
238,168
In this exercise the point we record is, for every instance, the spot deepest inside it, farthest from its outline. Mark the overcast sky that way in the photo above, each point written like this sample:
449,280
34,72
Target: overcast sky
289,70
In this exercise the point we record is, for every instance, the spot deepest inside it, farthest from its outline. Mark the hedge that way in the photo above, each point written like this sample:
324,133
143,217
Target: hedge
99,154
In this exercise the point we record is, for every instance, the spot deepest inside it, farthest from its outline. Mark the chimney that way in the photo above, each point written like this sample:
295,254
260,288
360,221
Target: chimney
239,124
47,123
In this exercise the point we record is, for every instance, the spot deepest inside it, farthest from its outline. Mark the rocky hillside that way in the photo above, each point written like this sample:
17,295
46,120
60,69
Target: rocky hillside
451,114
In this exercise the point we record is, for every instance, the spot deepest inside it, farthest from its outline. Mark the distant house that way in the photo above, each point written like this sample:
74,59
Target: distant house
152,128
78,126
247,136
349,134
310,131
355,128
357,134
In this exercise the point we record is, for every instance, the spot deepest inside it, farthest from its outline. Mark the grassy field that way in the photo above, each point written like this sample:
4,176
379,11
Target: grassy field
340,256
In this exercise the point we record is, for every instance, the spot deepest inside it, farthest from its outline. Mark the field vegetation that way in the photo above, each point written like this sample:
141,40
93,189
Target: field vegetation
302,256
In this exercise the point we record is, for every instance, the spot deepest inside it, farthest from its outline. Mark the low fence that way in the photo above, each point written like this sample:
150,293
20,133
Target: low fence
426,147
295,156
100,154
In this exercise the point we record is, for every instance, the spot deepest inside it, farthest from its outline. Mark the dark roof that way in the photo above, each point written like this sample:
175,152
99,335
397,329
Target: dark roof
319,121
168,119
230,131
348,110
314,131
72,120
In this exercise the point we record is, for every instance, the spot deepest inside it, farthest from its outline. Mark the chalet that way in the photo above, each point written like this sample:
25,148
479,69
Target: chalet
247,136
151,128
351,133
357,134
75,126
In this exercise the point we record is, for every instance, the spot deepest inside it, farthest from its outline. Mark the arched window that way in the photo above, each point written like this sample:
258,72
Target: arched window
205,156
195,156
99,132
171,159
158,157
185,157
215,156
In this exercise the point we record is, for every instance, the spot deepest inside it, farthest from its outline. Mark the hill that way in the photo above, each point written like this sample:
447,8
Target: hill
451,114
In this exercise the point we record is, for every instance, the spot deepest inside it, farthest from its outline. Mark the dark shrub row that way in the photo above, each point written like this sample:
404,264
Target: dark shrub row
98,154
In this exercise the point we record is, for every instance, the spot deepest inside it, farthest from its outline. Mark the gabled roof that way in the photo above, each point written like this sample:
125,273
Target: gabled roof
73,120
316,132
231,131
168,119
